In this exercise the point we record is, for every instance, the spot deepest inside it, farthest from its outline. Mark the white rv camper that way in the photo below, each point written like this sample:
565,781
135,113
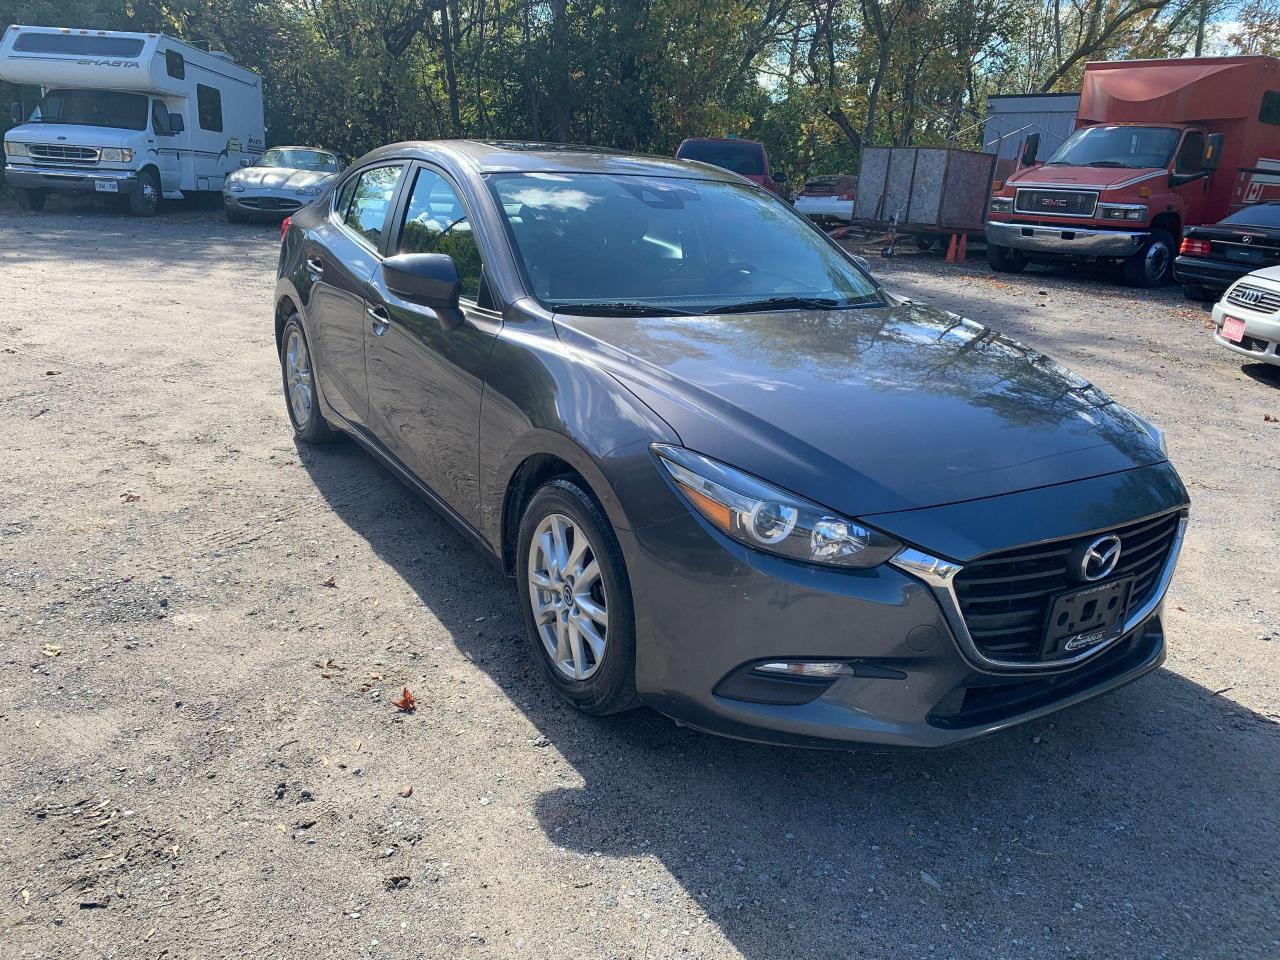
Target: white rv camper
136,114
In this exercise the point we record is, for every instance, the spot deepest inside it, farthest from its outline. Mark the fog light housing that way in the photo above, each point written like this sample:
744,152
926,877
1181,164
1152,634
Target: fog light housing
817,669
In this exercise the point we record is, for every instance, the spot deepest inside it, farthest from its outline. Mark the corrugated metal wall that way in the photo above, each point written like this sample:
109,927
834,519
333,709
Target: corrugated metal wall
1011,118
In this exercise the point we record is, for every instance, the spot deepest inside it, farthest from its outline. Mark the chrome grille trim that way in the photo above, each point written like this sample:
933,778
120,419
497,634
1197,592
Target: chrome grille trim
1077,203
63,154
1265,302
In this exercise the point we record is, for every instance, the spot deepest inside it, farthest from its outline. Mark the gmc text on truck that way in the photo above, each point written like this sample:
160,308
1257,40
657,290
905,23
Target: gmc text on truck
1160,145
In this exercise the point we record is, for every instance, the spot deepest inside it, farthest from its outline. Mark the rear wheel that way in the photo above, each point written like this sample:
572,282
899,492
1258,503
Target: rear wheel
298,374
1006,259
145,199
576,599
31,199
1152,266
1193,291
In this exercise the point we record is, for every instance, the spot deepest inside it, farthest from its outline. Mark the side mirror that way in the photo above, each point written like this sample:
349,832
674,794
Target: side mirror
1029,150
15,113
429,279
176,123
1212,151
245,162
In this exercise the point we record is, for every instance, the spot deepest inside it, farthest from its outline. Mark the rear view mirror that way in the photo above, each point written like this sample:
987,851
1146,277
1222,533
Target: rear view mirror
1030,149
430,279
176,123
1212,151
15,113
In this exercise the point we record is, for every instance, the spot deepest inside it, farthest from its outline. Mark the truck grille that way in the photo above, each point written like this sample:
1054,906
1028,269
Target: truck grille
1056,203
1005,597
1254,298
63,155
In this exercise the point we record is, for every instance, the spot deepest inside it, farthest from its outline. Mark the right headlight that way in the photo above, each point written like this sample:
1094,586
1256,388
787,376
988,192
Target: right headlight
1001,204
768,518
12,149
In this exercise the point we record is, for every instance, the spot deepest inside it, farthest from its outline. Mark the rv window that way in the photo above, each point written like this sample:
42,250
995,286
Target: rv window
1270,112
94,108
77,44
371,202
160,119
209,105
437,222
1191,153
174,65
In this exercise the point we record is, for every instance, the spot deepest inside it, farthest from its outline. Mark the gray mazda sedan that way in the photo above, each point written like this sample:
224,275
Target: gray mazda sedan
733,477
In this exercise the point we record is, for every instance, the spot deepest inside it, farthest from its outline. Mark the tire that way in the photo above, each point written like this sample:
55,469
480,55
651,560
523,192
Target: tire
1193,291
607,684
234,216
32,200
145,200
1006,259
309,424
1152,266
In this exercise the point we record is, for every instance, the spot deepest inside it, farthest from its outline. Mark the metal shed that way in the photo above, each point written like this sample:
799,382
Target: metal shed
1012,117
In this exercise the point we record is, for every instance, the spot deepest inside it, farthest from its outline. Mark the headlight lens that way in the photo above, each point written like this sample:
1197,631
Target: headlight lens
236,187
1001,204
1136,212
312,191
12,149
117,154
767,518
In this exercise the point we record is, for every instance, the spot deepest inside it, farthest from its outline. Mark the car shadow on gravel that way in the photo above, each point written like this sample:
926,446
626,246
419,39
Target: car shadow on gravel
1140,824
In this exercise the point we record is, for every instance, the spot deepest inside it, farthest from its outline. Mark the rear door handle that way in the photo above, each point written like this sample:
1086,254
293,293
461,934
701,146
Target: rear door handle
315,266
379,319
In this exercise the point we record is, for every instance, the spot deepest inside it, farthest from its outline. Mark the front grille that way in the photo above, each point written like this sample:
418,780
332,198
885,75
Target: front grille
1005,597
62,154
270,203
1254,298
1057,203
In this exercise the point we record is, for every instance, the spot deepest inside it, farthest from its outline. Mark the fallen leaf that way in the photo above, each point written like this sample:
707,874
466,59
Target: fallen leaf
130,497
396,883
51,649
406,790
1268,418
406,704
150,933
331,582
26,896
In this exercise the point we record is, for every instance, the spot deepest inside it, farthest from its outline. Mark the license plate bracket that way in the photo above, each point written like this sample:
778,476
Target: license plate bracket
1085,617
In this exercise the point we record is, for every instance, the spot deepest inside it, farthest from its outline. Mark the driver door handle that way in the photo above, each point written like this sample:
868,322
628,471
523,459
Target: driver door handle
315,266
379,319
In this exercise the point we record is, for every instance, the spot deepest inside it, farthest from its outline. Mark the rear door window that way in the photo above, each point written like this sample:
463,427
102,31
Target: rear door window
365,208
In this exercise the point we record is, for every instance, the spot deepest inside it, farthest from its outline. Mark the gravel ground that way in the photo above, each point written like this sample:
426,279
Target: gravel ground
203,627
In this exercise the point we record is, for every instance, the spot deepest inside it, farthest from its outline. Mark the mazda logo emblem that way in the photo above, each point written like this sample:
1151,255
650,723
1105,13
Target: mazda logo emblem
1100,558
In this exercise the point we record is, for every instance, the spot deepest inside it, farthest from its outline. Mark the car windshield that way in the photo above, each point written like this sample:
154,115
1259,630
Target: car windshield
1256,215
93,108
736,155
1118,147
317,160
616,244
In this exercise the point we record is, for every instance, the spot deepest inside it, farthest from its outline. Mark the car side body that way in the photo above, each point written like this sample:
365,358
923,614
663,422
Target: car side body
971,450
1215,256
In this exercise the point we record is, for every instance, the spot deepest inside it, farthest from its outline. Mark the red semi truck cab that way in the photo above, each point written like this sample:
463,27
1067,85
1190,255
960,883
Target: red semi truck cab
1159,145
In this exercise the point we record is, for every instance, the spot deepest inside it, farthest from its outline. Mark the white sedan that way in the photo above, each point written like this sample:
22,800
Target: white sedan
829,200
1247,318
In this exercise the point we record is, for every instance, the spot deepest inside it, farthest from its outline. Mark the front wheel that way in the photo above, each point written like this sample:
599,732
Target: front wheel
576,599
31,199
145,199
1006,259
1152,266
234,216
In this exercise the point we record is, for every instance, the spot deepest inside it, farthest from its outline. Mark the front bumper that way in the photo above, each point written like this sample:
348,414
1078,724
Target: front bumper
702,622
1261,341
76,179
825,207
1214,274
1065,240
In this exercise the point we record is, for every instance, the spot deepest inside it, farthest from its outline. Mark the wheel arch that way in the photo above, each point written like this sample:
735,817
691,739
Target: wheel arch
1169,222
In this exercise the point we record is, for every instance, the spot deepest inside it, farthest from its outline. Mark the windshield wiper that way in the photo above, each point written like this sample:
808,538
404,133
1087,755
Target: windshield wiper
620,309
793,303
1111,163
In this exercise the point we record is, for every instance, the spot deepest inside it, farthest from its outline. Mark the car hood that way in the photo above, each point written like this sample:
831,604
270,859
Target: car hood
73,135
1096,177
278,178
1266,273
868,410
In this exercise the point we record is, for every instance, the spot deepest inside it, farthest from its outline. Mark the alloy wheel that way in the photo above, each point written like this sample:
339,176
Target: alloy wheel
297,370
568,596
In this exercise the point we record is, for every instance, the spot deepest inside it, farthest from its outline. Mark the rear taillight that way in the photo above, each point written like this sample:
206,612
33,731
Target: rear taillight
284,227
846,196
1194,247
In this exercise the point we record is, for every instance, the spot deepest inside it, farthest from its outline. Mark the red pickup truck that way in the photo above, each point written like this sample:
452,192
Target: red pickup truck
1160,145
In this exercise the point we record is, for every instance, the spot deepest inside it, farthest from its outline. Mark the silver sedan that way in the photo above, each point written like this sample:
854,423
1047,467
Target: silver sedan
279,182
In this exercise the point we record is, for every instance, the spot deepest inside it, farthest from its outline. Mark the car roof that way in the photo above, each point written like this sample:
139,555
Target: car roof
510,156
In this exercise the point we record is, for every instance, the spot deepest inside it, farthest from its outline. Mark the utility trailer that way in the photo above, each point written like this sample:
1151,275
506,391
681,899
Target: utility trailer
929,192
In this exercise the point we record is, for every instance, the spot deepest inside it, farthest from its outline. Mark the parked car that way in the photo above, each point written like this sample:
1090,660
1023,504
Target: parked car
1247,319
1212,258
139,116
733,477
830,199
279,182
747,158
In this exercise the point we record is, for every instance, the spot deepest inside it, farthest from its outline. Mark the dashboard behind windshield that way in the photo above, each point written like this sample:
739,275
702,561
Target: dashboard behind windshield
1115,146
94,108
